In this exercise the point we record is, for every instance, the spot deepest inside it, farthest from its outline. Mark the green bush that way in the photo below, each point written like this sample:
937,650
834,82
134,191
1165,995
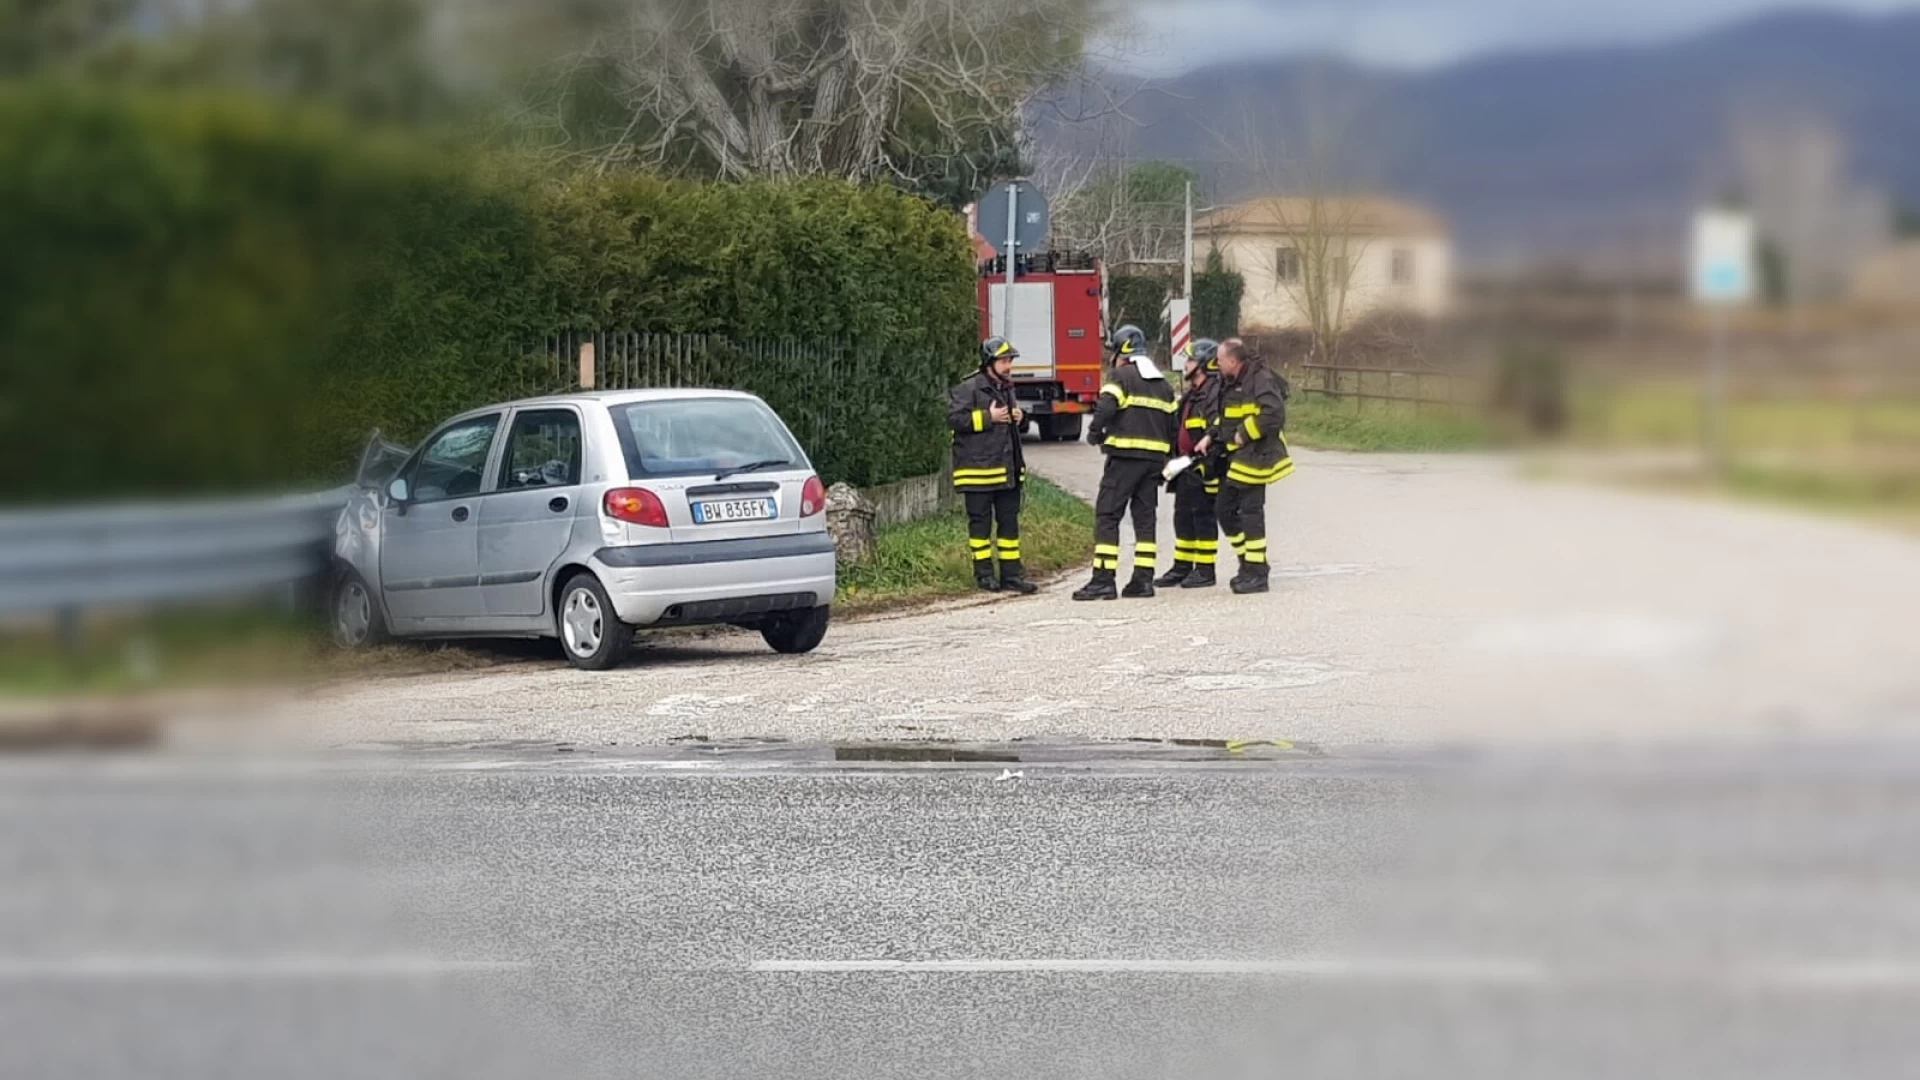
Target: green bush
1217,292
1139,300
1531,387
202,294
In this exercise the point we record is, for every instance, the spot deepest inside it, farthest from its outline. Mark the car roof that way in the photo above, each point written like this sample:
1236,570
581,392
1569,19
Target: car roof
608,399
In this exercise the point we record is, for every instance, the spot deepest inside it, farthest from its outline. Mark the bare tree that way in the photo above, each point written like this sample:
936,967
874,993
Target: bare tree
1128,214
1305,157
1793,165
737,88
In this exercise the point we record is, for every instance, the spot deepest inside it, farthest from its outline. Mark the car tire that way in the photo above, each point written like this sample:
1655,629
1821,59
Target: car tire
590,631
796,632
353,614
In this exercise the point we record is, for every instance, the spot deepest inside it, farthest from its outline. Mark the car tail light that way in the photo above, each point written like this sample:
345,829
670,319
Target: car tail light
636,506
813,497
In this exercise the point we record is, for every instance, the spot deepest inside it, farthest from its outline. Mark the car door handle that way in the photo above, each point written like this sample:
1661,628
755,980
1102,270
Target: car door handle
460,513
558,504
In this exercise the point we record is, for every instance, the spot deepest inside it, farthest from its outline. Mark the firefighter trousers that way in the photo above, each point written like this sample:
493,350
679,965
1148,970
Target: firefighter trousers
1128,483
1243,517
985,509
1196,528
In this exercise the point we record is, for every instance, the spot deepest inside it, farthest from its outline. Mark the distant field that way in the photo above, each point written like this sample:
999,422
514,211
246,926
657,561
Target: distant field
1381,426
1668,412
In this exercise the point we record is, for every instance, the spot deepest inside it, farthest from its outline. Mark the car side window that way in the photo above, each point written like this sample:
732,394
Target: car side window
543,451
453,465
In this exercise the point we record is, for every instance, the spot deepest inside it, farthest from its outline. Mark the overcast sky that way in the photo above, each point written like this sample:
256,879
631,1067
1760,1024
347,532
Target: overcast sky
1183,34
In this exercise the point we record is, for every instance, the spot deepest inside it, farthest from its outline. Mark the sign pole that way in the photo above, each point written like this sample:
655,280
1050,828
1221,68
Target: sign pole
1013,243
1716,394
1723,276
1188,293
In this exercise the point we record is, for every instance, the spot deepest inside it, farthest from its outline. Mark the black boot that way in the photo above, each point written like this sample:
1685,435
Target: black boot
1013,579
1141,587
1180,572
1201,578
1100,588
1251,579
983,578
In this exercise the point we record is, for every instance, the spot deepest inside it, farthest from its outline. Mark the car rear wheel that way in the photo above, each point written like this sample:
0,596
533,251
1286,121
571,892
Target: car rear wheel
357,623
796,632
590,632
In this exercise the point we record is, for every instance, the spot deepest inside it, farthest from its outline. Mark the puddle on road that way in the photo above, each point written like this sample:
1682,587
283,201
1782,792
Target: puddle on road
893,752
693,751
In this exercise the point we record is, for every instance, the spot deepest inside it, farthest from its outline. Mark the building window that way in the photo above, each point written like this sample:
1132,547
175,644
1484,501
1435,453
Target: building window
1403,266
1287,265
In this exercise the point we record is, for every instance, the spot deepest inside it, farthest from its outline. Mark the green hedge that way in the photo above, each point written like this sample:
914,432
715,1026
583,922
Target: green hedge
1217,292
1139,300
203,294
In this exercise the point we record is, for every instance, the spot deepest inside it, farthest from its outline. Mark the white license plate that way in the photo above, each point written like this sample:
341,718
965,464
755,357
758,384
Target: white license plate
713,513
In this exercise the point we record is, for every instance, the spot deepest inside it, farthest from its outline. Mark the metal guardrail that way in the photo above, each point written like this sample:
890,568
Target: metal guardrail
135,555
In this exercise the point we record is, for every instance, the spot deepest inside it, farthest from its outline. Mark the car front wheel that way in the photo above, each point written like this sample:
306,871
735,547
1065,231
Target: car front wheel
591,634
357,623
795,632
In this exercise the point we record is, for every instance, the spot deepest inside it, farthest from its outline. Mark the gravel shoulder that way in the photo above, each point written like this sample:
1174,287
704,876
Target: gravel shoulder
1418,599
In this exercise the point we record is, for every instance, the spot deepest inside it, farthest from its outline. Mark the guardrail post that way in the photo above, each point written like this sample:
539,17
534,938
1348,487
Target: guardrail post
66,629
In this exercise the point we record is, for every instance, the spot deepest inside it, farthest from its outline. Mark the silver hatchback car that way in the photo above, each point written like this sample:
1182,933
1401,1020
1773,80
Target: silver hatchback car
584,516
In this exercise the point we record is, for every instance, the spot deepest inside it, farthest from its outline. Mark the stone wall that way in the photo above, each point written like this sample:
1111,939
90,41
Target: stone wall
854,516
911,499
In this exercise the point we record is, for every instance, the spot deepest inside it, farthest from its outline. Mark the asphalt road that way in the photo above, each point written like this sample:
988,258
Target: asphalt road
498,911
1417,600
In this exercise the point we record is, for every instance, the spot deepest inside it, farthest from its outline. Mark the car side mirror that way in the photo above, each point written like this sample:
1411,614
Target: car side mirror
397,491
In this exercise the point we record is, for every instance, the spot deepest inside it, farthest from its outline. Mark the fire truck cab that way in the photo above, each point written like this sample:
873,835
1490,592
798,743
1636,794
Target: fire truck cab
1058,325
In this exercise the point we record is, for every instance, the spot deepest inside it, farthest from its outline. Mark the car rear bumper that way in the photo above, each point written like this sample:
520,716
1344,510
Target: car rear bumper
717,581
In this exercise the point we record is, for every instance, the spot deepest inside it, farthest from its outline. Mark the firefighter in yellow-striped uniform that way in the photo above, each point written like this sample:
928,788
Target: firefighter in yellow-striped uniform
1252,418
1133,424
1196,531
989,469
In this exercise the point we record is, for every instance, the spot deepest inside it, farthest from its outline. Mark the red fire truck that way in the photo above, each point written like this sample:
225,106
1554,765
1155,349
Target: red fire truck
1058,324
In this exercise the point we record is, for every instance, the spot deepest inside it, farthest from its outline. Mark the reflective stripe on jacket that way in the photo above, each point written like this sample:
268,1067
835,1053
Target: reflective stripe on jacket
1199,415
986,455
1135,416
1253,416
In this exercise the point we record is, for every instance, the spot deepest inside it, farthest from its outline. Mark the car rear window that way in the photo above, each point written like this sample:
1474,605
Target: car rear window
690,436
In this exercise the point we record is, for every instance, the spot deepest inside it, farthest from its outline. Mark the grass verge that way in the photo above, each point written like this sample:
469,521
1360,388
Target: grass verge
928,560
160,651
1378,426
919,561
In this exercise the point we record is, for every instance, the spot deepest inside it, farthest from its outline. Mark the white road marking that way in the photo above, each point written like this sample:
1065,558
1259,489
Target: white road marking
1444,971
212,968
1865,977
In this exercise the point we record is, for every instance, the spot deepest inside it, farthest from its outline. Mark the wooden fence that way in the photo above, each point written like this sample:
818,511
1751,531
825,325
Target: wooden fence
1420,388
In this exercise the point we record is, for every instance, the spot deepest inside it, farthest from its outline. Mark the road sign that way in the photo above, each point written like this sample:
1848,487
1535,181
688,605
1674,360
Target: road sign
1723,257
1032,217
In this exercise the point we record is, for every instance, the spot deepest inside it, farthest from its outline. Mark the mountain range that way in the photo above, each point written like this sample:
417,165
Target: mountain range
1549,154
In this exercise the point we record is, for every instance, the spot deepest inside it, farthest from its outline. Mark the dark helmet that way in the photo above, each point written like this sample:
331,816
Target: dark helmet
1207,351
1128,342
997,349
